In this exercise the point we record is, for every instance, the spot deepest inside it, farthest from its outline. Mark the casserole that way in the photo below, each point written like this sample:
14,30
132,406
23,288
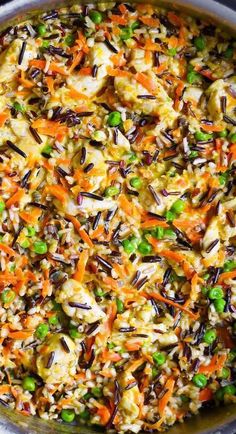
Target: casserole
224,14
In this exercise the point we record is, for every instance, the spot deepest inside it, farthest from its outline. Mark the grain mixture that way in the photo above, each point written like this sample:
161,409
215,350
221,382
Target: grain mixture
117,216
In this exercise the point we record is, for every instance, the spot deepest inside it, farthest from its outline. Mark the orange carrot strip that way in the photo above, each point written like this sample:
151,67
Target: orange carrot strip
57,191
53,67
216,364
180,259
74,221
205,394
21,334
15,198
25,83
73,93
212,128
226,275
81,265
135,365
116,72
151,22
3,117
8,250
163,402
159,297
104,414
174,19
50,84
76,61
146,82
46,288
85,71
118,19
5,388
32,216
133,346
153,223
85,237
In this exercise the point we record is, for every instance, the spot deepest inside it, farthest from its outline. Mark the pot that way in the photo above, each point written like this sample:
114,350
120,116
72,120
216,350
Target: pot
220,420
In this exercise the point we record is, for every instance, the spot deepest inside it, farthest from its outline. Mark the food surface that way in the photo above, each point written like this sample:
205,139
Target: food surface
117,216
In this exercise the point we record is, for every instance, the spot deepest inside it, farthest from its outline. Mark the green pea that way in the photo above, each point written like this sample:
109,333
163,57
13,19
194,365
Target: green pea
69,40
56,306
216,293
193,77
17,106
126,33
230,265
45,44
169,233
178,206
114,119
136,182
144,247
223,178
42,331
193,154
120,305
135,25
209,337
53,320
172,52
96,17
2,206
206,276
25,244
29,384
99,292
111,345
200,380
74,334
199,43
132,157
87,396
155,372
111,191
233,138
8,296
85,415
47,149
31,231
219,394
129,246
230,389
41,29
201,136
159,358
67,415
224,373
223,133
40,247
97,392
170,216
232,355
219,305
228,54
204,290
158,232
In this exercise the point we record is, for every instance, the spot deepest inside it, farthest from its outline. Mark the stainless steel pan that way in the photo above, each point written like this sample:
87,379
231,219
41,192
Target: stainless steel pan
220,420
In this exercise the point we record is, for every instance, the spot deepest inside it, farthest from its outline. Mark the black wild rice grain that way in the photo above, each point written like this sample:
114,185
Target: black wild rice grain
212,245
127,329
106,265
35,135
89,167
154,194
22,53
51,15
79,305
96,220
92,327
25,179
38,205
223,103
64,345
91,195
16,149
94,71
146,97
110,46
166,276
141,282
136,278
151,259
50,359
62,172
229,120
83,155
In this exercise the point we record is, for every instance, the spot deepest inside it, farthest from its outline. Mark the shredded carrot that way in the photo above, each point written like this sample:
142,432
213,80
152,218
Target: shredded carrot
154,223
212,128
160,297
216,364
76,61
5,388
104,414
134,365
81,265
32,216
163,402
149,21
50,84
180,259
205,394
85,71
118,19
4,116
116,72
132,346
53,67
175,19
49,128
146,82
8,250
15,198
73,93
85,237
58,192
227,275
21,334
